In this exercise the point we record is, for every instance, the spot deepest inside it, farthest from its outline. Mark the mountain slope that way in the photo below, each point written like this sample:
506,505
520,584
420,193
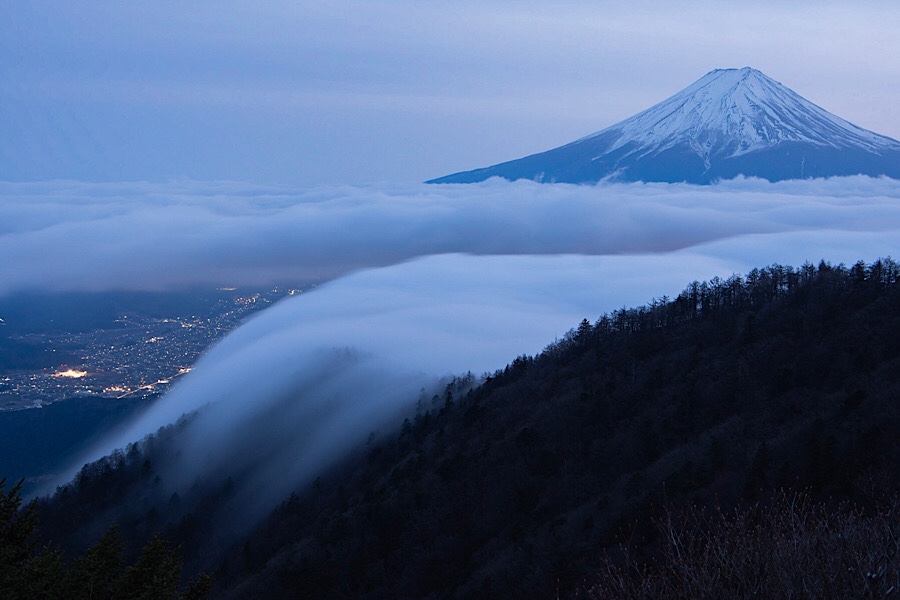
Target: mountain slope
785,378
730,122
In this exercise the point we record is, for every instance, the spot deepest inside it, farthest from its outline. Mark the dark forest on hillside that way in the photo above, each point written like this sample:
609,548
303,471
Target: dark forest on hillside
517,487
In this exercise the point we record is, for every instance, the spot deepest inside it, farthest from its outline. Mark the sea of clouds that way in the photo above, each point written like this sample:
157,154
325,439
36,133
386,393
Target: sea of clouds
419,282
67,235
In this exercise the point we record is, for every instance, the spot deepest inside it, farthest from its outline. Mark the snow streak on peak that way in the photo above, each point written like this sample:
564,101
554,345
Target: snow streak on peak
729,112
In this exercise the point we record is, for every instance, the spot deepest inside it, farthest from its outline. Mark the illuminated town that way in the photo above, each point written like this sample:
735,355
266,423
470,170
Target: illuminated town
140,357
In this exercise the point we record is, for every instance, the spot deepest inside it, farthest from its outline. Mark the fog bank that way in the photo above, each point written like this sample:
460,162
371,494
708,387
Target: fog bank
76,236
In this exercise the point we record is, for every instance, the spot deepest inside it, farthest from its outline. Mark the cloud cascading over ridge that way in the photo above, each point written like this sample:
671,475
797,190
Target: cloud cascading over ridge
431,281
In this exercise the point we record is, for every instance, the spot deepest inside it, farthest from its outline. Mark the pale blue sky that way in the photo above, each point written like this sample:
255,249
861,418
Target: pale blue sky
352,91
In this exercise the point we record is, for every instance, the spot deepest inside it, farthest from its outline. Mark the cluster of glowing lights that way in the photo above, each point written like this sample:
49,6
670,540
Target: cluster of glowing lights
71,374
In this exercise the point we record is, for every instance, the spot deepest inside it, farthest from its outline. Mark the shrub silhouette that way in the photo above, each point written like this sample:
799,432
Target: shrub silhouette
791,548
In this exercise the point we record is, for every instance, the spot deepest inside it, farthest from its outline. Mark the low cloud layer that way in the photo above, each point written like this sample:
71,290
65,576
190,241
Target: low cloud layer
437,280
71,236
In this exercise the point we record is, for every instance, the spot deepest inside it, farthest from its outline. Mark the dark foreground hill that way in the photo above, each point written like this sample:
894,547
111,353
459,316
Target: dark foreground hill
513,488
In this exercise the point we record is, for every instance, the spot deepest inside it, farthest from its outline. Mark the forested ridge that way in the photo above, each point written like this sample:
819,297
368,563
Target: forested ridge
517,486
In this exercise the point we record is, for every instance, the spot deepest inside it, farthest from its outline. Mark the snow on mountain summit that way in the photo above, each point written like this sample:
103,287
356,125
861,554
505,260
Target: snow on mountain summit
729,122
740,110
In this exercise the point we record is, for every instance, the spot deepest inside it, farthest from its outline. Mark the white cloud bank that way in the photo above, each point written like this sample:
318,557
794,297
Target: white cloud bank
437,280
70,236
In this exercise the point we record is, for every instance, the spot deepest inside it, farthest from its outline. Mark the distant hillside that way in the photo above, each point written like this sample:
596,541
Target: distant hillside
784,378
730,122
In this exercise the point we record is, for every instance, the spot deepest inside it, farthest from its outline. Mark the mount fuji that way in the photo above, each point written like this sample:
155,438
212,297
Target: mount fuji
730,122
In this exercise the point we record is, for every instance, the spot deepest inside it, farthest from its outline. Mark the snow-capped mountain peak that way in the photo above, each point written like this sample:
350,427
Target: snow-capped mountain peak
735,111
729,122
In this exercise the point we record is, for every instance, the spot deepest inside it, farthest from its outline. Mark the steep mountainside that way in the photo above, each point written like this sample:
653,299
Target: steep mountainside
514,488
729,122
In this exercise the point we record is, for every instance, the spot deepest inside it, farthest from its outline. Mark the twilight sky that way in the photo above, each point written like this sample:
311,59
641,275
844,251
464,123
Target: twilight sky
359,91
